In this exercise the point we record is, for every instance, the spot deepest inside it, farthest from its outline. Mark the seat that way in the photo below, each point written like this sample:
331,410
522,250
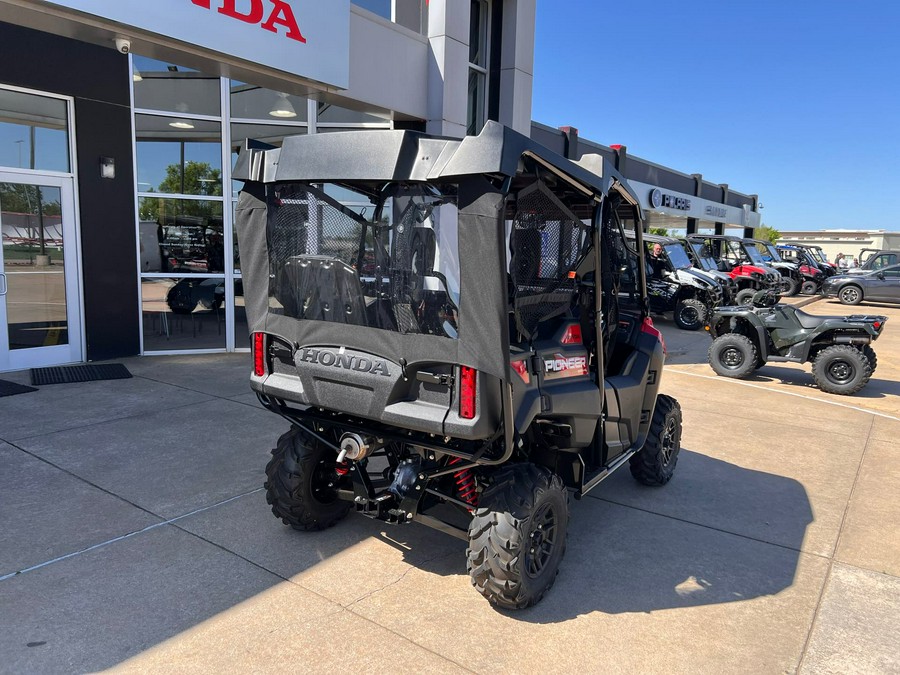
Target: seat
810,321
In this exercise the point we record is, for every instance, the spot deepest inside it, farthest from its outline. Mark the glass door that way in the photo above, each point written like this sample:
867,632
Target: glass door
40,309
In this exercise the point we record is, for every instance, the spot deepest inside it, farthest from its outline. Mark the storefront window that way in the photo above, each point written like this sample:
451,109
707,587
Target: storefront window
181,235
478,63
33,132
183,314
184,159
160,85
251,102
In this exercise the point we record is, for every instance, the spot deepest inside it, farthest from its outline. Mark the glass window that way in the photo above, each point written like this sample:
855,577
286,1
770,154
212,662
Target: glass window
478,62
478,33
183,313
332,114
241,326
475,113
160,85
380,7
33,132
181,235
249,101
178,155
272,134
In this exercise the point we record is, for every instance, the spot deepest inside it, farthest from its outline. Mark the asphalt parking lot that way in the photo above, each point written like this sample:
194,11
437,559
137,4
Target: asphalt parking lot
135,537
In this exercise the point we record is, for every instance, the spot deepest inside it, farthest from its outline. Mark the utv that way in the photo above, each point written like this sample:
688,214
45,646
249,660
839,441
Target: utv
464,346
811,274
674,285
791,279
702,259
742,262
745,338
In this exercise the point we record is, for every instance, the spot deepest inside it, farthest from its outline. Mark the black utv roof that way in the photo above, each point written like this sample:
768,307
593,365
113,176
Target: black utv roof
658,239
380,156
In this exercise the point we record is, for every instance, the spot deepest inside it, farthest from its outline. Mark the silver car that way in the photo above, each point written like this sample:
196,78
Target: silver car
882,285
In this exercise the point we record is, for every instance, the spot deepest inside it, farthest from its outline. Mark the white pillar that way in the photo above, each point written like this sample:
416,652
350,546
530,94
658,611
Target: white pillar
448,67
517,64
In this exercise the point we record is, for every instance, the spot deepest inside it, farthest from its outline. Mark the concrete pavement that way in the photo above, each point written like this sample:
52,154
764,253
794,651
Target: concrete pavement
135,537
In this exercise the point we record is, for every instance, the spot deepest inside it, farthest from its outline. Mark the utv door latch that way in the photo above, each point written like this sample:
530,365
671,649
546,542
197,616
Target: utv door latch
445,380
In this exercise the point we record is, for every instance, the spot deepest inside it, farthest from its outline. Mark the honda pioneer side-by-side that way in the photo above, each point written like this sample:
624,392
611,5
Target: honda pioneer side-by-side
791,279
465,351
701,258
674,285
742,262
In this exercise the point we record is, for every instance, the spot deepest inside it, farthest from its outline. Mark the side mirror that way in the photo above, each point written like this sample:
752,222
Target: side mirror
880,275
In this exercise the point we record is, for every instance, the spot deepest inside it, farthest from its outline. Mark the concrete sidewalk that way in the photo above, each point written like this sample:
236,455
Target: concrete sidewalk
135,537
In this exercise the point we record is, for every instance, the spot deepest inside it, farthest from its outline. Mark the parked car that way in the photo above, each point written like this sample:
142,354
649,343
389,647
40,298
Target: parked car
879,285
874,259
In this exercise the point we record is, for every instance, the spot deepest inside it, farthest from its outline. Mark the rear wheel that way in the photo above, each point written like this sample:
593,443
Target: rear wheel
850,295
302,483
869,353
841,369
517,537
655,463
809,287
733,355
745,296
690,314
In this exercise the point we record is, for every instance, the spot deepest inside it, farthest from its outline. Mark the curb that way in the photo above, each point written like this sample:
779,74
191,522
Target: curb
808,301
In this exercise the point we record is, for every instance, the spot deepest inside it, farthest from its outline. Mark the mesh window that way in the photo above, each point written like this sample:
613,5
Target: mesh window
314,245
546,245
328,263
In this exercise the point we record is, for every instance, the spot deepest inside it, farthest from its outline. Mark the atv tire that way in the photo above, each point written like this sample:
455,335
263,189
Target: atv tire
517,537
869,353
850,295
841,369
809,287
733,355
655,463
790,287
745,296
690,314
301,485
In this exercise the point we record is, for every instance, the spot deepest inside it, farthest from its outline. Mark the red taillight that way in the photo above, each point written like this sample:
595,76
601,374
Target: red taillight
649,329
259,354
467,383
521,367
877,325
572,336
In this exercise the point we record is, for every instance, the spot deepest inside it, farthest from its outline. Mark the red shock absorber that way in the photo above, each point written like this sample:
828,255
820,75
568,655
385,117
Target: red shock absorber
465,484
341,468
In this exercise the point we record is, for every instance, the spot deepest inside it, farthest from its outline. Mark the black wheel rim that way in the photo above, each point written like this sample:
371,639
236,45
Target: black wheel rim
840,371
689,315
541,540
669,441
732,358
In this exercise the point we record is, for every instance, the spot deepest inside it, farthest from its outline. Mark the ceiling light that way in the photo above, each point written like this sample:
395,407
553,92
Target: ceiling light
283,107
181,124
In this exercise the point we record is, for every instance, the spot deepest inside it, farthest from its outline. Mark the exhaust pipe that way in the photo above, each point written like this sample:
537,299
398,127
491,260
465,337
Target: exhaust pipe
354,447
852,340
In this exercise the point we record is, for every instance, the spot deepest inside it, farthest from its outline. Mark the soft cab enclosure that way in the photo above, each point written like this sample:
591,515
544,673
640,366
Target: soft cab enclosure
395,276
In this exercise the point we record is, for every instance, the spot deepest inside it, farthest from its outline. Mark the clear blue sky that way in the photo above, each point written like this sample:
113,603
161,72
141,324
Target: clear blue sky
797,101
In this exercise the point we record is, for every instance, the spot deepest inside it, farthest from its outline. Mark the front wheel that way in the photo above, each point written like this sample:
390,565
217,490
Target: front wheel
733,355
790,287
690,314
841,369
745,296
850,295
809,287
655,463
302,483
517,537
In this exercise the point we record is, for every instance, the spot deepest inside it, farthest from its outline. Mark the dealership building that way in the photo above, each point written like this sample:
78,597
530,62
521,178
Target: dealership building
120,123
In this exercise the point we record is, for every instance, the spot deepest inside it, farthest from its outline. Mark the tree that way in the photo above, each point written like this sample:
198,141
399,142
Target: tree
197,178
659,231
766,233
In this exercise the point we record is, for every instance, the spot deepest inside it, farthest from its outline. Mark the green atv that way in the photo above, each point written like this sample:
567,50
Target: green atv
839,347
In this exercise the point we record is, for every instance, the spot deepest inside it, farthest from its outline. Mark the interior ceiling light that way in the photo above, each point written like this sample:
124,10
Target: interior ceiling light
181,124
283,107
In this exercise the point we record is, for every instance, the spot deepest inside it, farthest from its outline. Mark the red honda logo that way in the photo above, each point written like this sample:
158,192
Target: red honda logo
280,14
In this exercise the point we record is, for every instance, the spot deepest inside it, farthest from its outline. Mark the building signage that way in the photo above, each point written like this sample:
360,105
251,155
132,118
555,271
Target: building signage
659,198
307,38
715,211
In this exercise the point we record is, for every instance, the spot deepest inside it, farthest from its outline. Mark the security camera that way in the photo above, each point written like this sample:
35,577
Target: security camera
123,45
